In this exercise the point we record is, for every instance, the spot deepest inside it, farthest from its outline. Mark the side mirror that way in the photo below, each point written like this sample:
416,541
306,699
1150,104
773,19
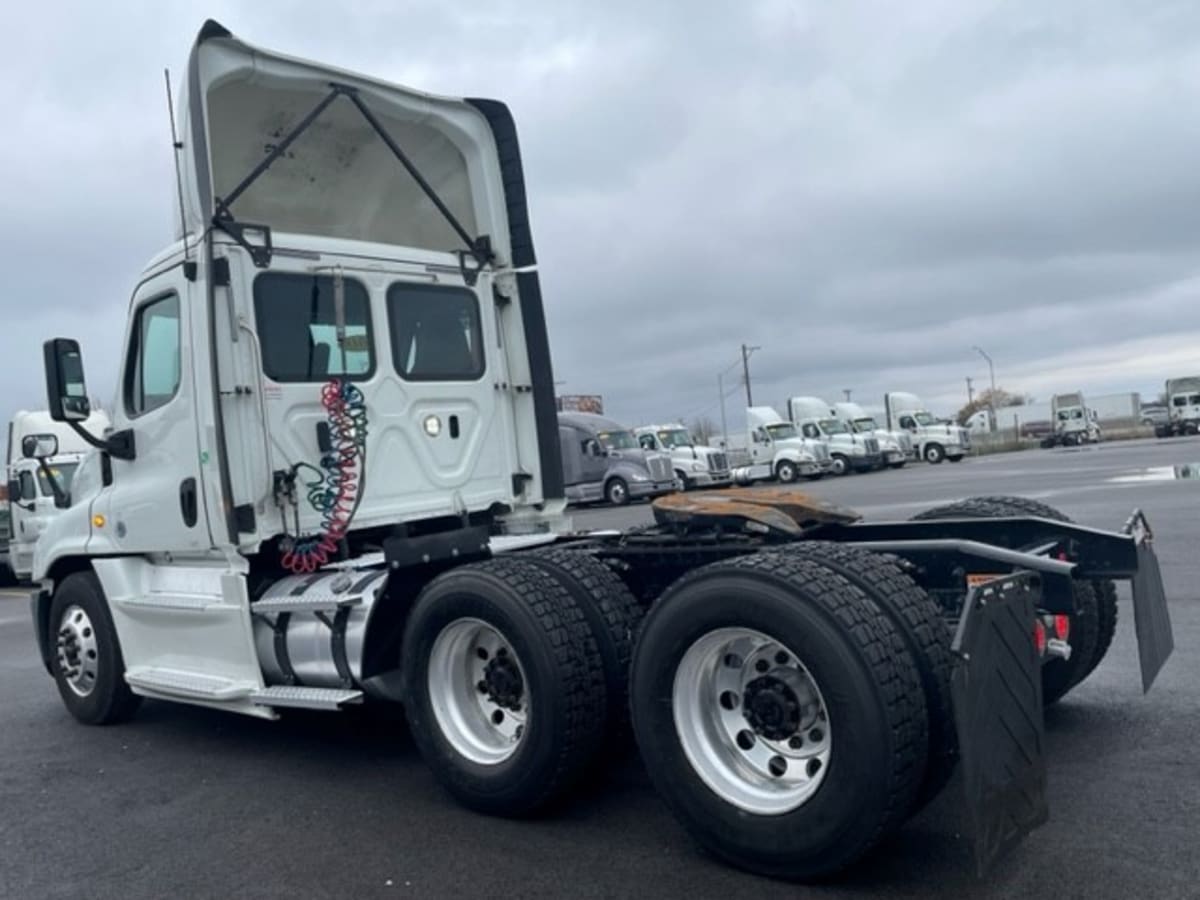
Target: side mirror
39,446
66,391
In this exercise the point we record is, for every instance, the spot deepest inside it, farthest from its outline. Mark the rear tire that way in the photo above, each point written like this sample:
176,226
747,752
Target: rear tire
504,686
613,615
1088,644
919,621
86,659
756,801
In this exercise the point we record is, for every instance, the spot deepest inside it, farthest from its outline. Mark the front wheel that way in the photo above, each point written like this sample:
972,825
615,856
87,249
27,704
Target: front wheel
616,492
786,730
87,664
934,453
786,471
685,483
841,465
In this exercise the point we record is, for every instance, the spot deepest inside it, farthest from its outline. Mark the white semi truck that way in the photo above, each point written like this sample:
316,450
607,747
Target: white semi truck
37,487
1183,407
334,474
695,465
1074,423
772,448
896,446
933,439
850,451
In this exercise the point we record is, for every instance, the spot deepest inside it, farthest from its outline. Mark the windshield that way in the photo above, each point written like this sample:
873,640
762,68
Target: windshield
1194,400
833,426
62,474
866,424
924,418
618,440
781,432
676,437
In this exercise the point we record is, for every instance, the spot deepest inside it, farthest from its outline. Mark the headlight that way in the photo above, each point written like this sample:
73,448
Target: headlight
698,467
637,476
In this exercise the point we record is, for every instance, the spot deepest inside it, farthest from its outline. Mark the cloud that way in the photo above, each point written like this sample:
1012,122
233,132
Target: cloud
864,195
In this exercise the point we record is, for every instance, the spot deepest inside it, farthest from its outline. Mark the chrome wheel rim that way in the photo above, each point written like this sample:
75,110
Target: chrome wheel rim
787,473
839,466
77,650
478,691
751,721
616,492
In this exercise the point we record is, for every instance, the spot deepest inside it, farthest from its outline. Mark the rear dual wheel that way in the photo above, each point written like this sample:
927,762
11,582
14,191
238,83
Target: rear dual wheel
779,714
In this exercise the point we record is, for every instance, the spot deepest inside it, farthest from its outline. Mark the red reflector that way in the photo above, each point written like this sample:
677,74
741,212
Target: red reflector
1039,636
1062,627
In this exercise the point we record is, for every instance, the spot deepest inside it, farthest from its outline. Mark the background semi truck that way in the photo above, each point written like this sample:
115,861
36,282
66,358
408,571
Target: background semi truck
773,448
695,465
603,460
933,439
896,446
1183,407
850,451
334,474
31,482
1074,422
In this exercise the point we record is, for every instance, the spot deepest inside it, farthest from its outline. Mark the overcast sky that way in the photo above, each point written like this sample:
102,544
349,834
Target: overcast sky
865,190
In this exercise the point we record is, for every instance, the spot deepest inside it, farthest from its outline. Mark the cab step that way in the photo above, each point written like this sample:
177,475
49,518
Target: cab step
187,685
309,604
305,697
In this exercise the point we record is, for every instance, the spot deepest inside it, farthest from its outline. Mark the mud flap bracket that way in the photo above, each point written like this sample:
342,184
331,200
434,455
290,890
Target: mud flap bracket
997,693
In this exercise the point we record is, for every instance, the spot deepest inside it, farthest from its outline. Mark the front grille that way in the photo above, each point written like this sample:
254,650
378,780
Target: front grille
660,469
872,445
717,462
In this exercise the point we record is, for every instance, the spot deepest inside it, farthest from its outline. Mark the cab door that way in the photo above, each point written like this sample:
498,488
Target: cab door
153,502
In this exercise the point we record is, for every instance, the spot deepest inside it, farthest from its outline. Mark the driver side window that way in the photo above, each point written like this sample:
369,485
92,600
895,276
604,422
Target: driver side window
152,368
908,422
647,442
810,431
28,486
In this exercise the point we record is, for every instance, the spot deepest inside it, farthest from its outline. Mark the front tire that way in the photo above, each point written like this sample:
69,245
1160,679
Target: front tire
87,664
504,685
685,483
786,730
616,492
841,465
786,472
934,453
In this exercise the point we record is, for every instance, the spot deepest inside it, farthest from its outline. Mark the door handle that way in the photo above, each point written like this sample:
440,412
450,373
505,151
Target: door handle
188,505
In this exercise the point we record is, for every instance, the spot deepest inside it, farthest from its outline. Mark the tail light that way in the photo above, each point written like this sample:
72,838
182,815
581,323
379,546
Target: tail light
1039,636
1062,627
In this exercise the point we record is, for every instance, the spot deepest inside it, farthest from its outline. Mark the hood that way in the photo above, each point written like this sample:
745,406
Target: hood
336,174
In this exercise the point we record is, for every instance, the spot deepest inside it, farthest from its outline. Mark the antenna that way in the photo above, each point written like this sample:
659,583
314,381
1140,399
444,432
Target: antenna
177,145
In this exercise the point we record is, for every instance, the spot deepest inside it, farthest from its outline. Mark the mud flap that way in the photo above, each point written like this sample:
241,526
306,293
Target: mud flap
1151,619
997,693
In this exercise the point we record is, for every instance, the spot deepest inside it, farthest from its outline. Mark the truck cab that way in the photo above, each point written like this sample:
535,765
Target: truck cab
933,439
604,461
895,446
39,487
1074,423
695,465
773,448
1183,407
849,451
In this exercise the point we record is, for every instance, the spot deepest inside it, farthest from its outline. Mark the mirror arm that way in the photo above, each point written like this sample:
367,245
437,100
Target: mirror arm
119,444
61,498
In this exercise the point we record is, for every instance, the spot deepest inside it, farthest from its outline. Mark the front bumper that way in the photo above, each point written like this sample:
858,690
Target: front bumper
711,479
865,463
641,490
891,457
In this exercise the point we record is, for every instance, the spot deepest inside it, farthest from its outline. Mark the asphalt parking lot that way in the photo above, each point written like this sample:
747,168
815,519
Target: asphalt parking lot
188,802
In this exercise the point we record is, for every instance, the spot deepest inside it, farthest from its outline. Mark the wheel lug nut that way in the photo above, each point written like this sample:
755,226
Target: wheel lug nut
481,652
816,735
814,766
729,700
745,739
762,665
781,658
796,742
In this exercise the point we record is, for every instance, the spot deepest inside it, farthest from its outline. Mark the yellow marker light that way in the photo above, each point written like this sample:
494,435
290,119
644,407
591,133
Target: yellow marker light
98,520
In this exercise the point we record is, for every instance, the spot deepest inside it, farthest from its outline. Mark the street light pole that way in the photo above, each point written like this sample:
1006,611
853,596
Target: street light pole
970,391
746,351
992,374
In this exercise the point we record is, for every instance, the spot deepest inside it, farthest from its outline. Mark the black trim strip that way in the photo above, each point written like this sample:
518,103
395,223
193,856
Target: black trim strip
337,646
537,345
512,174
282,658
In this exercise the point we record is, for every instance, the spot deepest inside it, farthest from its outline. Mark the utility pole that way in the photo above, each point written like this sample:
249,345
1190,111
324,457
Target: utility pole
846,391
970,391
721,395
992,373
746,351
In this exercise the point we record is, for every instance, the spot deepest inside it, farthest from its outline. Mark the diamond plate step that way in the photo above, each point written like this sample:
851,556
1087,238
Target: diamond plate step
305,603
305,697
192,685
